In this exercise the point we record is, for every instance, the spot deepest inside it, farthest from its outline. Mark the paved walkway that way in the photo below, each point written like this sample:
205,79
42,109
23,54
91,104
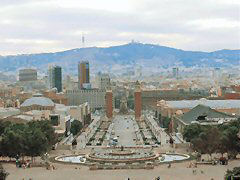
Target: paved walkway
124,129
178,171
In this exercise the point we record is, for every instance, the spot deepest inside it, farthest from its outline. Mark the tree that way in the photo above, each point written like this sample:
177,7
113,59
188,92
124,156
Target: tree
3,173
231,174
36,142
230,140
32,139
87,119
192,131
224,142
208,141
117,102
166,121
76,127
12,142
212,140
130,102
46,127
199,145
3,125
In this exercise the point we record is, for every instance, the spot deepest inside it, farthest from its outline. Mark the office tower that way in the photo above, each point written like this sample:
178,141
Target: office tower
27,75
109,103
175,72
103,81
138,71
83,75
217,74
55,77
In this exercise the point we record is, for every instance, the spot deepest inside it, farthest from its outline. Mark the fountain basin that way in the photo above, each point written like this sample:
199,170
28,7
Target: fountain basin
79,159
108,157
173,157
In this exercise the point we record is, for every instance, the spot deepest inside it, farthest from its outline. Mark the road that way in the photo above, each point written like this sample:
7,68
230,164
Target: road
125,130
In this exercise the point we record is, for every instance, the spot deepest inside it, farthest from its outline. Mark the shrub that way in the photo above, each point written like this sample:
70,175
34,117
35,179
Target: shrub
3,173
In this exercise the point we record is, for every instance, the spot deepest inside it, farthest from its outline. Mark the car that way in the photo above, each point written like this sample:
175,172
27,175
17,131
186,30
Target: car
155,145
115,139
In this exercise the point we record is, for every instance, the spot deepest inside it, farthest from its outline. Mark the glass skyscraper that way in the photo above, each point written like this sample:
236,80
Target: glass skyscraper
55,77
83,74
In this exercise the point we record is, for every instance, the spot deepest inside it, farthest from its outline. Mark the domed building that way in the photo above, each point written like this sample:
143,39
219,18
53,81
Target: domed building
37,102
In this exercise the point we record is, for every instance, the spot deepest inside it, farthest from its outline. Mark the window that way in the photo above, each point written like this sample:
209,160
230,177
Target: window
201,118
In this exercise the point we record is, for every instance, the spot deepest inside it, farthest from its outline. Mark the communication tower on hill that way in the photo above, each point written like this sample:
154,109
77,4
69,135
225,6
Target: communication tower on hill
83,41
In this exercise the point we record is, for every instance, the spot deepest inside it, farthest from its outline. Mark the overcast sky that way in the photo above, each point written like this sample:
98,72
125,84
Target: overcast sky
33,26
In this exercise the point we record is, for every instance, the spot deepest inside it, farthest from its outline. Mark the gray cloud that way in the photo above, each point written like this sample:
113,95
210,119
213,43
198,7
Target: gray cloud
31,26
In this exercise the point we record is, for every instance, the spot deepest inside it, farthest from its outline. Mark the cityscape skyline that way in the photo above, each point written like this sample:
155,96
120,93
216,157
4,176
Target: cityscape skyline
130,89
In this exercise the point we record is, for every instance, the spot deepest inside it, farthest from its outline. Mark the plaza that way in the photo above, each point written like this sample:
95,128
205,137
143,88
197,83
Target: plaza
178,171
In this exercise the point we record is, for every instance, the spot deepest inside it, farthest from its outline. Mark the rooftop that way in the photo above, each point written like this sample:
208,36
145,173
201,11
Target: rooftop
206,114
34,112
41,101
5,112
215,104
25,117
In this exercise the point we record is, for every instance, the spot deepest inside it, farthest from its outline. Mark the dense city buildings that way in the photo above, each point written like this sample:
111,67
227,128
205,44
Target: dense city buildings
122,117
138,110
56,97
55,77
83,74
229,92
27,75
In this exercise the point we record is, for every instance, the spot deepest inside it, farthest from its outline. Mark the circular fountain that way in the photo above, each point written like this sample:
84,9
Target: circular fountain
120,155
126,155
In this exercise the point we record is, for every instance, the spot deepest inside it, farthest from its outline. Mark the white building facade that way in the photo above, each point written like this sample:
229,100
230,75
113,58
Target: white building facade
94,97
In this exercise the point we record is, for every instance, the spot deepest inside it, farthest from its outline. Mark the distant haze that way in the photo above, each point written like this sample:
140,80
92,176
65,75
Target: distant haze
128,55
35,26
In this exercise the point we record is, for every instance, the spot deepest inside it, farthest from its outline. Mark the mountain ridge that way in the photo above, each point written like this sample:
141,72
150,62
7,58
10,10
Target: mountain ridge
132,53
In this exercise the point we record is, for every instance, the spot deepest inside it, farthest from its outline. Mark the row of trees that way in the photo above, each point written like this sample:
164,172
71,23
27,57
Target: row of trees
163,121
214,139
130,101
31,139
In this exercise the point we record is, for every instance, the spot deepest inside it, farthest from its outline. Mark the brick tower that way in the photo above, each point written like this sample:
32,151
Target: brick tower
138,101
109,103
